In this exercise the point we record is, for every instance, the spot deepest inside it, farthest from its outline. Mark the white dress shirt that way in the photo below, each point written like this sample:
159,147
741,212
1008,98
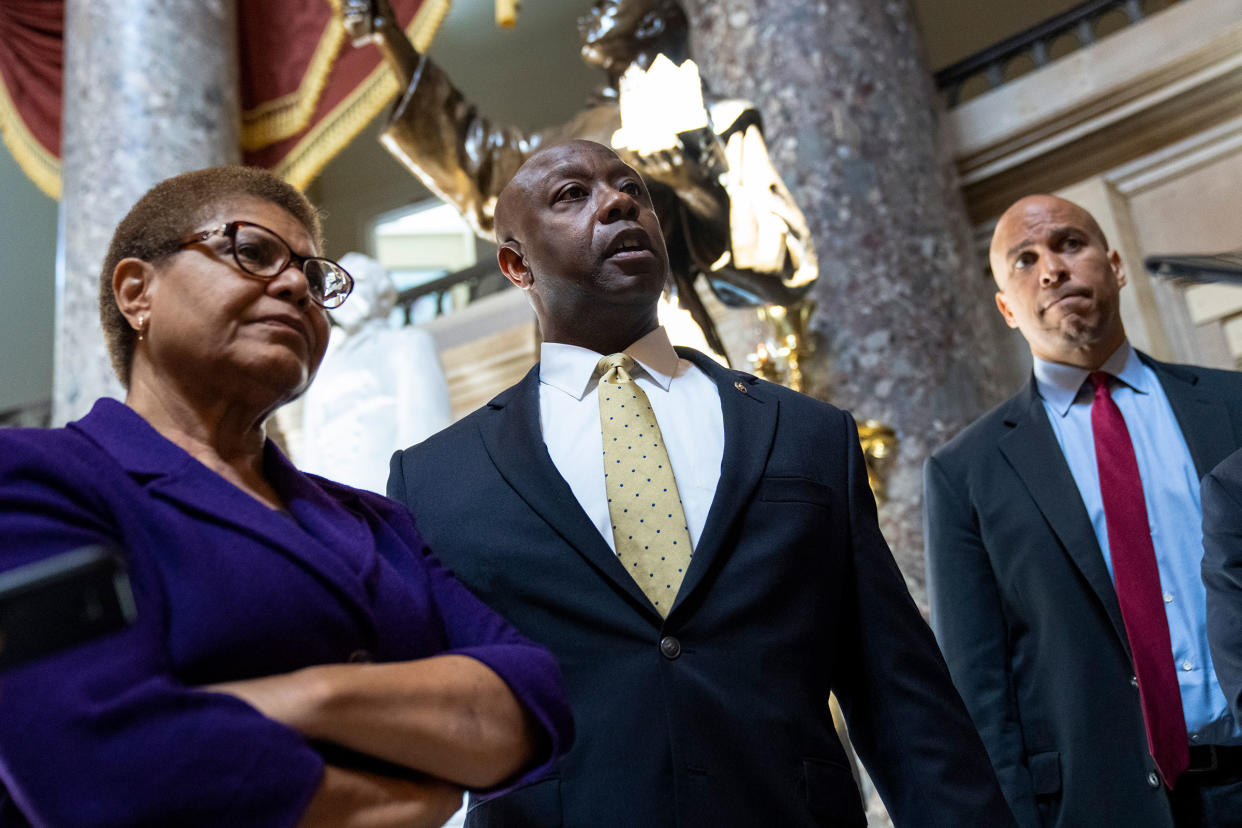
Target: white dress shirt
686,405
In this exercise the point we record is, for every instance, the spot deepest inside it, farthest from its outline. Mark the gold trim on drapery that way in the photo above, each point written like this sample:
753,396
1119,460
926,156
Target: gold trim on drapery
274,120
41,166
282,117
343,123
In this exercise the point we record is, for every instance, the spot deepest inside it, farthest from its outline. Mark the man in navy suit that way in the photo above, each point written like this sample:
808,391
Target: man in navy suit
1063,552
1222,573
705,701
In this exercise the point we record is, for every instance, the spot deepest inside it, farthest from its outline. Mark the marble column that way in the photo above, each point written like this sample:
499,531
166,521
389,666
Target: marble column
906,326
150,90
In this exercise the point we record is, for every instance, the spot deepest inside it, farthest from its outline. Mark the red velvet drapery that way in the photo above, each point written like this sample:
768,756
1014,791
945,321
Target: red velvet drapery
306,92
31,70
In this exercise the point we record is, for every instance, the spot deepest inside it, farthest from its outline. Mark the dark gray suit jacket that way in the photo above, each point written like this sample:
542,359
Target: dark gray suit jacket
1026,613
1222,574
718,715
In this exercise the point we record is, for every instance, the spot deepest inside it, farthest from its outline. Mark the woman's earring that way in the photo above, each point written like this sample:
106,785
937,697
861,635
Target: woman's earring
142,327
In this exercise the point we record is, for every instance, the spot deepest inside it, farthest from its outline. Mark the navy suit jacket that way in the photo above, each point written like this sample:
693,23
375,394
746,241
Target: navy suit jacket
1026,613
718,715
115,732
1222,574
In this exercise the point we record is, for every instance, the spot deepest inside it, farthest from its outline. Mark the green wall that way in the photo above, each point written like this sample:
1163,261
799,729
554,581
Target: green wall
27,287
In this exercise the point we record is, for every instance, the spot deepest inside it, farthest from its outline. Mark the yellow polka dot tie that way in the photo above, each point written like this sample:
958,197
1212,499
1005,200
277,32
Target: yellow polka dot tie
648,523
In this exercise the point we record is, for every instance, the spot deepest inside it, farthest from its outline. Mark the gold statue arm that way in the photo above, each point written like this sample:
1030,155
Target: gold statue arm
460,155
373,21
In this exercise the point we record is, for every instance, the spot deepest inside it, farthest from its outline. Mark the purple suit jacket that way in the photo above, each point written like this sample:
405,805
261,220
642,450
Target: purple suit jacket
115,732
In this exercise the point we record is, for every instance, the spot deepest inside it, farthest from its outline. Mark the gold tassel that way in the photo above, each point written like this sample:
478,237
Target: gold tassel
506,13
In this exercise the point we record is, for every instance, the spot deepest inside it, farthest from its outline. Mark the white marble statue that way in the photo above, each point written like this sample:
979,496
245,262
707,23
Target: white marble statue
379,388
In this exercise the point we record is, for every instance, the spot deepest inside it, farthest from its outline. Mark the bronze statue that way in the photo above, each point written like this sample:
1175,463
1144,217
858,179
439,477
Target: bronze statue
725,212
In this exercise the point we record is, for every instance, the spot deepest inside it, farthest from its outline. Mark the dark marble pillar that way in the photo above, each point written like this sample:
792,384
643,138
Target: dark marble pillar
150,90
907,329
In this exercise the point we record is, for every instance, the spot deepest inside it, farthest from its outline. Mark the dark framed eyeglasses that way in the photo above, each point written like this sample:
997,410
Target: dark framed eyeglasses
260,252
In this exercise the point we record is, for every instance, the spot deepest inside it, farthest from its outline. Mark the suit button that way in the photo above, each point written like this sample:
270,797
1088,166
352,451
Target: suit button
360,657
670,647
1153,780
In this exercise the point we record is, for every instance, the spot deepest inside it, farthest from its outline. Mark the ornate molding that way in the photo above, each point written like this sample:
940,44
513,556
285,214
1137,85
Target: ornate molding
1165,80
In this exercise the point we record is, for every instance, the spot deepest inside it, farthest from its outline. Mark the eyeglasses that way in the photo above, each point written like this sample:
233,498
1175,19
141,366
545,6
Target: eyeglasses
260,252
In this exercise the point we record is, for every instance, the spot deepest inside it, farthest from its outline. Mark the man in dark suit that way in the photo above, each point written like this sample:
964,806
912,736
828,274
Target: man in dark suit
1063,552
1222,573
702,625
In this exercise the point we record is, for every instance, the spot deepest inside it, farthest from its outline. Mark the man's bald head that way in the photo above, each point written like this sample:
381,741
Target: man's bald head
514,202
576,229
1026,211
505,215
1058,282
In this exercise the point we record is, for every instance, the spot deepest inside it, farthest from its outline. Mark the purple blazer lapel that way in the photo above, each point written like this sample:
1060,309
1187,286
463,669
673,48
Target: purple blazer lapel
319,513
316,523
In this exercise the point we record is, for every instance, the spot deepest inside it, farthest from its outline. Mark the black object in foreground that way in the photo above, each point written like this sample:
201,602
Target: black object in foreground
62,601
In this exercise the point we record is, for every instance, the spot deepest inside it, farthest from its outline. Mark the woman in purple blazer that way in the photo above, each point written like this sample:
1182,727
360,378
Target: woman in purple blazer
299,657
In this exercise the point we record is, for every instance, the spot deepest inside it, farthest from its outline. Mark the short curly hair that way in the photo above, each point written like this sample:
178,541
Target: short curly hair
168,213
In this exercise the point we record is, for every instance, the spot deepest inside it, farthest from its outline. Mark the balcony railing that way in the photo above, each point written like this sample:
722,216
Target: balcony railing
455,290
1043,43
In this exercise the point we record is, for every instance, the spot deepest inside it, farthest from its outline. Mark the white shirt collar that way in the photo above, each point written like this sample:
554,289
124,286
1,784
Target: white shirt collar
571,368
1060,384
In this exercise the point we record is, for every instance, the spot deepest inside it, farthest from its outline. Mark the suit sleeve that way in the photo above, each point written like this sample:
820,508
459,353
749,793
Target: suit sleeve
905,719
968,620
1222,579
103,734
396,478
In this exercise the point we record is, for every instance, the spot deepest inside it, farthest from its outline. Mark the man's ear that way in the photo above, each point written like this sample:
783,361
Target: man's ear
132,280
513,264
1119,267
1005,310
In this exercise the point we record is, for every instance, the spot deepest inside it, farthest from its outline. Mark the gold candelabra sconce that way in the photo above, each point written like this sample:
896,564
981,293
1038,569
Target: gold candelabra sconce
783,343
879,446
782,347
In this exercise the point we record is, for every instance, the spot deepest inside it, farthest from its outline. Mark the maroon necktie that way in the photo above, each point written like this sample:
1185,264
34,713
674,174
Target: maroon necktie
1138,584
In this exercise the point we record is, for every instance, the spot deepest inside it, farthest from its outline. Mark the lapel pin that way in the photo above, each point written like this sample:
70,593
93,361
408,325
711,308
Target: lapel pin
740,387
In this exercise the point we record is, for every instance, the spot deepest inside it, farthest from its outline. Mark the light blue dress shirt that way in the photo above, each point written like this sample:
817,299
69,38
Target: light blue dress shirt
1171,489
